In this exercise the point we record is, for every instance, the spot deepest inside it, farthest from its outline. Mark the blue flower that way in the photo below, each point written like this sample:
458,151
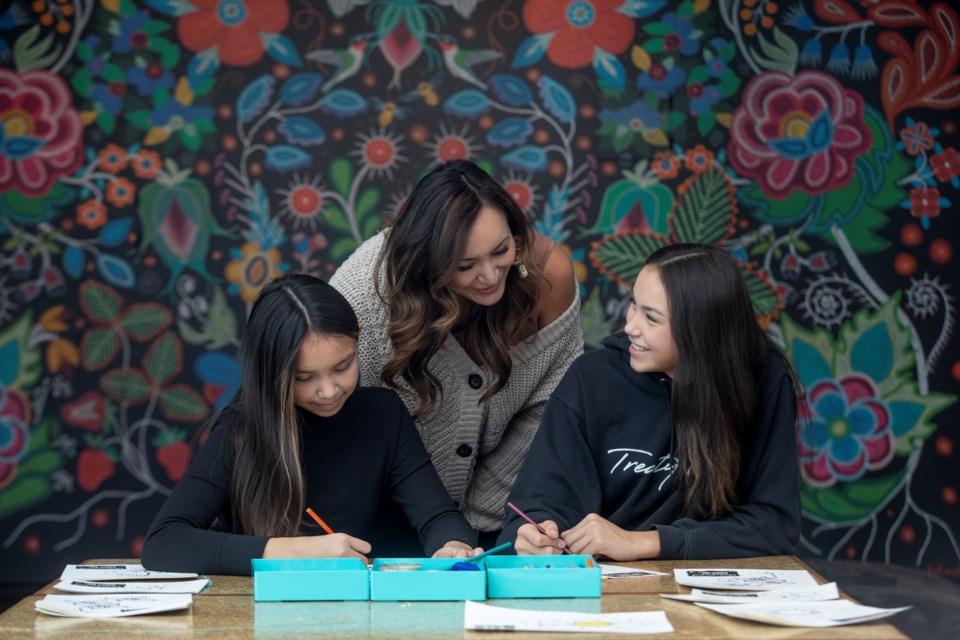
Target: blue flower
705,101
177,114
839,62
128,39
661,81
108,96
150,79
636,117
683,38
863,65
811,52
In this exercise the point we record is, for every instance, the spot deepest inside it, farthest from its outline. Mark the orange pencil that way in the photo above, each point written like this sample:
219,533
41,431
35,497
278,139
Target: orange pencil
320,522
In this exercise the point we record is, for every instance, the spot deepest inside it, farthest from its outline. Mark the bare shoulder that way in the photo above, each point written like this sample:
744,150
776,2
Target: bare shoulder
558,288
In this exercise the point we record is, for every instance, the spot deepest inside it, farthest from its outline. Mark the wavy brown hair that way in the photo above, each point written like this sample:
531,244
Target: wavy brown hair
267,489
421,253
721,350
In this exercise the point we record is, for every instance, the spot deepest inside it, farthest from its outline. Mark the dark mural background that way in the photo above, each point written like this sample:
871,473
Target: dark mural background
160,160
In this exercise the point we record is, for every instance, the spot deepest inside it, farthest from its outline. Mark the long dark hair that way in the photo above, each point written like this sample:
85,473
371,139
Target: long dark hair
721,349
267,488
421,253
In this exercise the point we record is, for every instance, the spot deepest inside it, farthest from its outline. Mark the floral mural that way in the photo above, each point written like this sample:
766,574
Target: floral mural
161,160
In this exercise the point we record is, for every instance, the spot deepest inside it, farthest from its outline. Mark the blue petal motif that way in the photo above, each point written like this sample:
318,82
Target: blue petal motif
221,370
303,131
512,91
73,261
609,69
344,103
115,271
792,148
20,147
115,232
904,416
531,50
283,158
9,363
172,8
873,352
202,67
281,49
254,98
527,158
846,451
557,99
820,133
510,132
300,88
466,103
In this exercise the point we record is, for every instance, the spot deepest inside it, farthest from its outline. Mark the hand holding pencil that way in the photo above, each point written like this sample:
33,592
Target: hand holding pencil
542,542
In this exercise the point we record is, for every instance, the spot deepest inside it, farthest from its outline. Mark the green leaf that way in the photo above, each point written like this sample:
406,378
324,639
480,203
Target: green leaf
100,302
766,303
341,175
98,348
81,82
140,119
114,73
24,493
877,345
370,226
342,248
28,54
705,212
125,385
706,122
221,324
336,218
151,27
169,53
622,256
106,121
698,75
654,45
852,502
41,463
191,335
622,140
593,319
180,403
164,359
367,202
144,320
729,83
44,433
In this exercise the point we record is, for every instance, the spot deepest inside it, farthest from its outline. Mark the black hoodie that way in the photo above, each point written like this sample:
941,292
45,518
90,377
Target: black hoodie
606,446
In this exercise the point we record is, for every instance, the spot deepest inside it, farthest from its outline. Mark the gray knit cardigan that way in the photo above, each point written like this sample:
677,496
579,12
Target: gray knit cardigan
476,448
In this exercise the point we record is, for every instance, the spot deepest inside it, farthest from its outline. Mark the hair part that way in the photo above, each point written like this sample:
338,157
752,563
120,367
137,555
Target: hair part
721,349
421,253
267,487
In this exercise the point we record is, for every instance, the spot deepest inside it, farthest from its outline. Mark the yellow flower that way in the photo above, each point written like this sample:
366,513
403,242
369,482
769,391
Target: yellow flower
251,270
61,351
52,320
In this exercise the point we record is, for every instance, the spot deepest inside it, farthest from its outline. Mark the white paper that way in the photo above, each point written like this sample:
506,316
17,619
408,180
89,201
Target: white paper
821,592
483,617
112,606
613,571
94,572
744,579
137,586
830,613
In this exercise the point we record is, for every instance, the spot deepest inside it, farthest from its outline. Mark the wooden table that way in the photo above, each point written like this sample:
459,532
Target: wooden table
227,610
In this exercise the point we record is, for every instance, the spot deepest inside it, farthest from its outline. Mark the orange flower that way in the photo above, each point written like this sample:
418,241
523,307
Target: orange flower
52,320
666,164
698,159
61,351
91,214
113,158
121,192
146,164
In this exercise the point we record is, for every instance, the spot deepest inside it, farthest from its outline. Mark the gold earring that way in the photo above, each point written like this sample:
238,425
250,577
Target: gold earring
518,262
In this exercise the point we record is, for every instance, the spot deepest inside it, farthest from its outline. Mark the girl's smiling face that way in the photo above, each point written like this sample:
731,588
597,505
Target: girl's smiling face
652,348
326,373
481,274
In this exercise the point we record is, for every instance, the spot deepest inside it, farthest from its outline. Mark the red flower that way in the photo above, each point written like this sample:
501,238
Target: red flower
578,27
917,138
945,165
233,26
121,192
925,202
113,158
146,164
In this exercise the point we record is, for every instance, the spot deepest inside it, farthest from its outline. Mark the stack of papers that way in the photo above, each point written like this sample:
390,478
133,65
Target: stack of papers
786,598
484,617
120,590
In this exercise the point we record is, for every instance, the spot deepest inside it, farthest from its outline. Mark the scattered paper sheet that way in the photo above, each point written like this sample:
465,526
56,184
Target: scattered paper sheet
104,606
830,613
94,572
827,591
612,571
137,586
483,617
744,579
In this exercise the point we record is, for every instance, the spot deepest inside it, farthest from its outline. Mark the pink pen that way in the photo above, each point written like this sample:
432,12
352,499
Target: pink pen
528,519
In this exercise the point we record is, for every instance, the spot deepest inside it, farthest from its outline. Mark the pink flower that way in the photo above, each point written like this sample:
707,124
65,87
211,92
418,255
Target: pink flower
798,132
849,431
40,131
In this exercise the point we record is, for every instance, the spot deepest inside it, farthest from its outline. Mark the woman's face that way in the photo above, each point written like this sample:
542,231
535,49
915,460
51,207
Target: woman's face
326,373
652,347
481,274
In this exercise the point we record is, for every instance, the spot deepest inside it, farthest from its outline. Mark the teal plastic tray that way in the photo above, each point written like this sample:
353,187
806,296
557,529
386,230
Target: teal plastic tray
433,580
567,576
310,579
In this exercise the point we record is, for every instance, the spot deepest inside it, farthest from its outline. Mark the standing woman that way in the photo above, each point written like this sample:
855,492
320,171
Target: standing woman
679,438
473,318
